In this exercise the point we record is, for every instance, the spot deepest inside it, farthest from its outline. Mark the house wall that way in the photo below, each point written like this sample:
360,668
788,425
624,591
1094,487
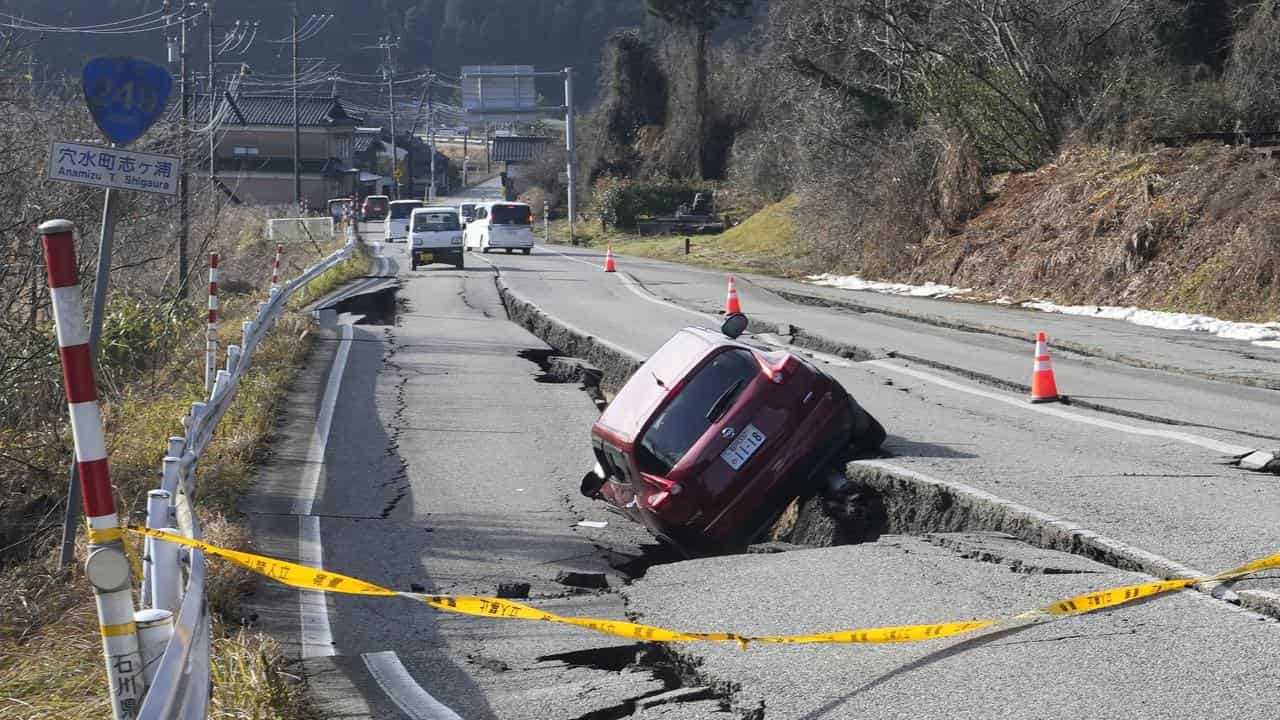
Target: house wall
272,141
258,188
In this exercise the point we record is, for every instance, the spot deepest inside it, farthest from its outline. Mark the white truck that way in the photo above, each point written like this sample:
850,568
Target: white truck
435,236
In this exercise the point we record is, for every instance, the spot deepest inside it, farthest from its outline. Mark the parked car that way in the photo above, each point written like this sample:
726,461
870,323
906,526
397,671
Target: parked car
374,208
397,226
711,438
435,236
467,211
502,226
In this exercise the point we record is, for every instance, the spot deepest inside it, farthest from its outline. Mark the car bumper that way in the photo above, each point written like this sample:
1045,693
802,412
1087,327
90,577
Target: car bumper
425,256
512,244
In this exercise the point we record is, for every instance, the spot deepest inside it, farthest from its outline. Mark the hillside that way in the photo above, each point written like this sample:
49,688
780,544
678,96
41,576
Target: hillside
1191,229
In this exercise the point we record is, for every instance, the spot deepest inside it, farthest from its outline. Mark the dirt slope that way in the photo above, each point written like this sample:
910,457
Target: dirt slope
1191,229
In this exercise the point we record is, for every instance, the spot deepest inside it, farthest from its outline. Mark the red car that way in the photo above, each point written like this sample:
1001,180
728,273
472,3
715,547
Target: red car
710,439
375,208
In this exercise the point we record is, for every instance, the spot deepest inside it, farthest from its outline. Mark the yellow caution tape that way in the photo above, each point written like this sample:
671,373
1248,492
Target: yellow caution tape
308,578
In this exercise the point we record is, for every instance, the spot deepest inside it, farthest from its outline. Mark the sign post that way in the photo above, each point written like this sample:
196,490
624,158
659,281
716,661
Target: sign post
125,97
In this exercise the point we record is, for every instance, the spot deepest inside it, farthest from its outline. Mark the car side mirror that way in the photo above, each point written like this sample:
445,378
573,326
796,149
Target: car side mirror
734,325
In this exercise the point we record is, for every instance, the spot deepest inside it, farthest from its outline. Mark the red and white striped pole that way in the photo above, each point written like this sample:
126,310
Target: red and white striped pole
275,269
106,568
211,334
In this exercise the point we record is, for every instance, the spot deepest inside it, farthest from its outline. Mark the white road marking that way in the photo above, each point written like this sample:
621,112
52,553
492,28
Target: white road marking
415,702
313,605
306,499
1064,414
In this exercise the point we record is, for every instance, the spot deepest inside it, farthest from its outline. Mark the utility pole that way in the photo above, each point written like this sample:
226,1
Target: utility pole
572,147
297,128
213,143
413,132
431,134
387,44
184,179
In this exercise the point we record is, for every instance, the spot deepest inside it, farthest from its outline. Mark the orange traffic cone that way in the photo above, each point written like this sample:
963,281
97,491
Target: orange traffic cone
731,304
1043,386
608,261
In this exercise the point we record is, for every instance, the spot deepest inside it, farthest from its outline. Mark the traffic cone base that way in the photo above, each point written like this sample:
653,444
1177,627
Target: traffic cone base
1043,386
731,303
608,260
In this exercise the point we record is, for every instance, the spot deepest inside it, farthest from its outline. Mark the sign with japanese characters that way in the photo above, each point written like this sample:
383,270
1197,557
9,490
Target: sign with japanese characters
108,167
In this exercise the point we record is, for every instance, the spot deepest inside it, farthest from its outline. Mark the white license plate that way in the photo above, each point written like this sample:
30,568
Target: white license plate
741,449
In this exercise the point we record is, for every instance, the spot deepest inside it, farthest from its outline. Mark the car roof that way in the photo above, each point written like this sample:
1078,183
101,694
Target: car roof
631,409
376,197
434,208
503,202
406,202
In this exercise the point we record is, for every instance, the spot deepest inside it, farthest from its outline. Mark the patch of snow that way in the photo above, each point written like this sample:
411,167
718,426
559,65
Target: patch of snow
852,282
1265,334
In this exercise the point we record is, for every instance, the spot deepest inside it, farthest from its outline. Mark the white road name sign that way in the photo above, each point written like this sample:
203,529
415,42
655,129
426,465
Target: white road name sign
109,167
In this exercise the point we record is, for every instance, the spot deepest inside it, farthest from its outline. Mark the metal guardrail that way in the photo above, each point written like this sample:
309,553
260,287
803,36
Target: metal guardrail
174,578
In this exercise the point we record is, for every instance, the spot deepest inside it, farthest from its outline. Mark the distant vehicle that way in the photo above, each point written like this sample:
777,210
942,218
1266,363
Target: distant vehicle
711,438
339,208
467,211
501,226
374,208
435,235
398,219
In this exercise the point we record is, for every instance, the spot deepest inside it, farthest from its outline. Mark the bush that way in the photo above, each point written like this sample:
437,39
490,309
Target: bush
624,202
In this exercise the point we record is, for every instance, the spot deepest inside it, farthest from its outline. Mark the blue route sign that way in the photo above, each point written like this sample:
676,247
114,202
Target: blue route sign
125,96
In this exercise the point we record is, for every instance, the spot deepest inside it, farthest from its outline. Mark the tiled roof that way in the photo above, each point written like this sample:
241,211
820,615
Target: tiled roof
273,110
364,141
518,149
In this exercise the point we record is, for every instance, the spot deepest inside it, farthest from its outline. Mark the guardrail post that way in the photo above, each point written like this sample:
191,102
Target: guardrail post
158,502
211,334
233,358
155,627
246,330
106,568
166,586
169,483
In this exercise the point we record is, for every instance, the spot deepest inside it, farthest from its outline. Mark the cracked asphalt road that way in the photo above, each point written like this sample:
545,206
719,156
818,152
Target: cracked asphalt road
450,468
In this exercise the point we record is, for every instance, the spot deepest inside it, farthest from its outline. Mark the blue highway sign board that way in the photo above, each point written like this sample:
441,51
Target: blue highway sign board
125,96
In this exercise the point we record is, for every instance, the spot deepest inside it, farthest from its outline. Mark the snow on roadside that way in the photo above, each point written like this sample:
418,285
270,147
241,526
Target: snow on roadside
1265,334
852,282
1261,334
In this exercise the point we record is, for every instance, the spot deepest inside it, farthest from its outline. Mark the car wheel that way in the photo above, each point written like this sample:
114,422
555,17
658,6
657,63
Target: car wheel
508,251
458,264
413,265
528,250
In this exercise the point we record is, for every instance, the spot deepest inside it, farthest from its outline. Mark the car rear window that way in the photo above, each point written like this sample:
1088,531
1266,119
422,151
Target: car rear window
376,204
401,211
511,215
436,221
679,424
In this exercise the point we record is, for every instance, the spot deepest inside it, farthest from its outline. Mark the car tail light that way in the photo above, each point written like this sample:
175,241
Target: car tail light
776,372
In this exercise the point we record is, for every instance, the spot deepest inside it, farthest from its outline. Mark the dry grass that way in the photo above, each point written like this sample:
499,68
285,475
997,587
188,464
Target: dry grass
1188,229
50,654
765,242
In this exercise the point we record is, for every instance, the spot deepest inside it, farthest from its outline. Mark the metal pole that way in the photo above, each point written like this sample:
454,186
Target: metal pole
297,129
431,134
213,142
546,223
571,146
71,517
184,179
391,102
106,568
211,331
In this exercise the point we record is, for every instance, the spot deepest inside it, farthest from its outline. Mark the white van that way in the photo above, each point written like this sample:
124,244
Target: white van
398,219
435,235
501,226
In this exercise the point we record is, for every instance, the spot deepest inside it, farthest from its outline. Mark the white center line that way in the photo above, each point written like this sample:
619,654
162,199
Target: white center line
399,685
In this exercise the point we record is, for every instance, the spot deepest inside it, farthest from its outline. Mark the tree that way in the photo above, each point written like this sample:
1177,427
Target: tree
701,17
